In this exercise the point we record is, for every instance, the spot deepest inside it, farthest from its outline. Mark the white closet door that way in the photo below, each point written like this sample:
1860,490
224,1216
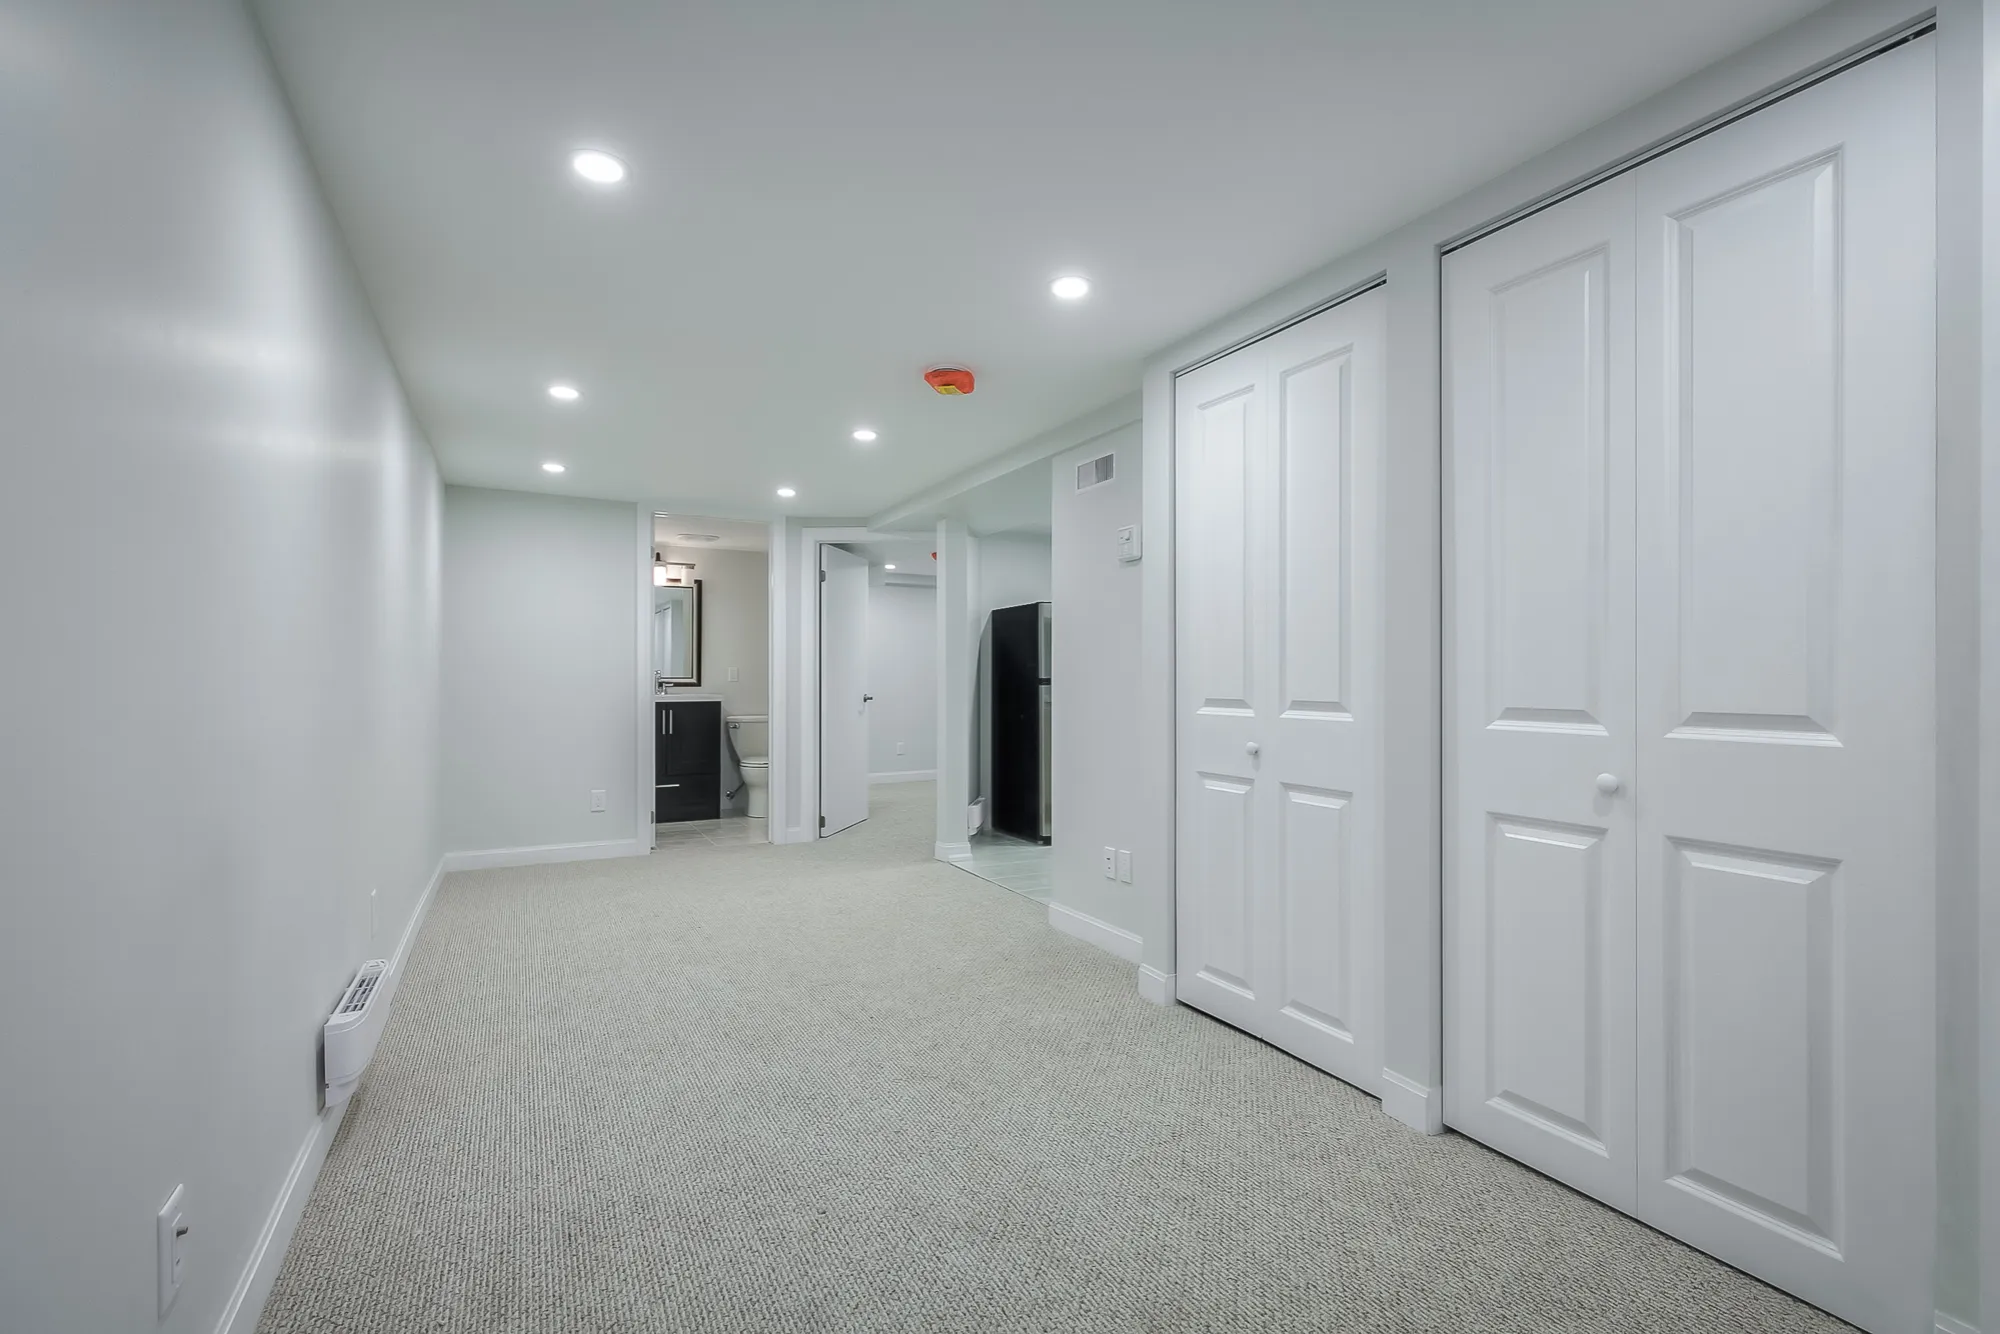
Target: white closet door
1786,445
1279,452
1538,933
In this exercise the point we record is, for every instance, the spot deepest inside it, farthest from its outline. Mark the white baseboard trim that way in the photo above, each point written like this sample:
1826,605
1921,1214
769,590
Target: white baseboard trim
952,852
1111,939
1156,986
1951,1324
260,1274
905,776
1418,1106
543,853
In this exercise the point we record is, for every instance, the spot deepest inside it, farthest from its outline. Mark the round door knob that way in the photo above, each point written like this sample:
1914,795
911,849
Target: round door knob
1608,784
1250,748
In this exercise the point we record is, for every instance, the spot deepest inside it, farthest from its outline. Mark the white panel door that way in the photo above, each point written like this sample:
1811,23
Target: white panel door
843,687
1538,936
1279,451
1786,447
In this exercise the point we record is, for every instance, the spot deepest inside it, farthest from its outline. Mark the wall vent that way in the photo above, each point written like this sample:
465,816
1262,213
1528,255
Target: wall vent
1091,473
353,1029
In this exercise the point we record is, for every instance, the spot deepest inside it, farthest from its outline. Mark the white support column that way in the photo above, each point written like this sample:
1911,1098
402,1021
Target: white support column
955,641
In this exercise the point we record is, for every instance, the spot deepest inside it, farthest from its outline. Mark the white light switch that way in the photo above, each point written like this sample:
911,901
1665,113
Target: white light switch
1110,863
899,748
597,799
1125,865
735,673
172,1227
1128,543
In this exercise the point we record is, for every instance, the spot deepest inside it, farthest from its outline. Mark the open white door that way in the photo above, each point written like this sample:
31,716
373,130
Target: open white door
843,687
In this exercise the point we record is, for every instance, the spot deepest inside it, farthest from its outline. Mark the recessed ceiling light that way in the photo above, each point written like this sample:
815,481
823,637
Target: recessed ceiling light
863,434
1071,287
565,393
597,166
888,567
786,493
552,467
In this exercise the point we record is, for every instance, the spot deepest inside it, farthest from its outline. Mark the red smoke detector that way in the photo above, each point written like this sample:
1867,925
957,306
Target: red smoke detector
949,379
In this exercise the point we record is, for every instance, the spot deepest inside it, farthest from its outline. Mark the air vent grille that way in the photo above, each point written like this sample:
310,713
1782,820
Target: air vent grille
1094,472
356,999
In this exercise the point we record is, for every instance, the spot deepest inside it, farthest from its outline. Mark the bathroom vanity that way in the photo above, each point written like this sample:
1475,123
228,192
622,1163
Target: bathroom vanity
687,759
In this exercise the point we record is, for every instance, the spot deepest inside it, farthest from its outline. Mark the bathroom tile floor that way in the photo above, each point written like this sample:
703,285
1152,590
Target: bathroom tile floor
729,832
1013,863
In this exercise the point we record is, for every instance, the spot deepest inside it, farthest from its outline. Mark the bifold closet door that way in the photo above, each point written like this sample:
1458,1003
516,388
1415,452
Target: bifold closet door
1787,271
1538,983
1277,479
1690,920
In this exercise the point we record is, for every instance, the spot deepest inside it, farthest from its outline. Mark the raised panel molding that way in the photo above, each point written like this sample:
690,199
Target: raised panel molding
1546,498
1545,976
1752,1119
1217,592
1755,455
1315,405
1221,838
1315,891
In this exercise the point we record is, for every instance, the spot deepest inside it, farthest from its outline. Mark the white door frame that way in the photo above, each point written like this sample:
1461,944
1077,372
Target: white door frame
797,737
643,757
1418,495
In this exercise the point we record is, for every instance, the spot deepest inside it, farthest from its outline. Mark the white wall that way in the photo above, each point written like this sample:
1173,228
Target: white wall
540,648
1096,665
902,675
219,568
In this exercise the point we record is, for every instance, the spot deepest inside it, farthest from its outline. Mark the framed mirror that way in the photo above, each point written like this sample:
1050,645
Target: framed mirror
677,635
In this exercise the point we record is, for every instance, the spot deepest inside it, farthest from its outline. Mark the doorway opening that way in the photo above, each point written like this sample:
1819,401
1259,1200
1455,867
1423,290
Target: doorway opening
878,715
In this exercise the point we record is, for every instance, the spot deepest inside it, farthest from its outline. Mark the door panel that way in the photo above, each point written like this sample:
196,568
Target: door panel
1786,443
1279,448
843,688
1538,913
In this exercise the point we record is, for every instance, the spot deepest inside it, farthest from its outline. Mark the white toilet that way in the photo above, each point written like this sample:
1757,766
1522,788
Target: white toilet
756,767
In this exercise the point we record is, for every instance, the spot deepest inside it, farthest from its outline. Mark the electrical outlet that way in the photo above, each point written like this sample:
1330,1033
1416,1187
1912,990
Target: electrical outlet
172,1229
597,799
1111,863
1125,865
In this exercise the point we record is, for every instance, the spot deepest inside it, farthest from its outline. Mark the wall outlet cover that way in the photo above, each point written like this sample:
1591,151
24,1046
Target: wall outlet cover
1125,865
1110,863
597,799
172,1229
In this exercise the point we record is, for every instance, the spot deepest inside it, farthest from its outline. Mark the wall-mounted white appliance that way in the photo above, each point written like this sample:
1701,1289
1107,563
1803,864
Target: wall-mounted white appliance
353,1029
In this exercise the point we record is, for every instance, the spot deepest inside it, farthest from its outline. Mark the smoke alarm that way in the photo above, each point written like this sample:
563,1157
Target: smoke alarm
949,379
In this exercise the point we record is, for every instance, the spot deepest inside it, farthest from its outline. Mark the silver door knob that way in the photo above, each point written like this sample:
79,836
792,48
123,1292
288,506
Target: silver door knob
1250,748
1608,784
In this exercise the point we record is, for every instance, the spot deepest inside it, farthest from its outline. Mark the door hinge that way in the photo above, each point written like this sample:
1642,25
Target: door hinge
822,576
822,822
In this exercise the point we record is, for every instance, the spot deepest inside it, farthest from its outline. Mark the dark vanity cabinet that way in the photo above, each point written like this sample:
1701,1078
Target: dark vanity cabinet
687,760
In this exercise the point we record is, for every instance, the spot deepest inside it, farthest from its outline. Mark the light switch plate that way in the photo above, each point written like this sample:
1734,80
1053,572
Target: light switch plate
1128,543
1125,865
172,1229
735,673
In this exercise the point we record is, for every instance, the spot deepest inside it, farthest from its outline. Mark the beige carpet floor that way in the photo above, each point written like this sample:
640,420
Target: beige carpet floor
843,1087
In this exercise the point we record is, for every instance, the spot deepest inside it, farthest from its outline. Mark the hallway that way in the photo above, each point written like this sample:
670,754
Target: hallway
846,1087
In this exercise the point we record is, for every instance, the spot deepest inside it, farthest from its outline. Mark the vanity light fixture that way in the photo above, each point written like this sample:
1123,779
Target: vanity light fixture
553,467
597,166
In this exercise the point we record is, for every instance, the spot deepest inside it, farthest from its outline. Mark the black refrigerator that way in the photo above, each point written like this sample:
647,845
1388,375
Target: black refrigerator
1020,796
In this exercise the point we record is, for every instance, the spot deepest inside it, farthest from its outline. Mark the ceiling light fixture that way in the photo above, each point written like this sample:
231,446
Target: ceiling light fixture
786,493
864,434
1071,287
597,166
564,393
553,467
888,567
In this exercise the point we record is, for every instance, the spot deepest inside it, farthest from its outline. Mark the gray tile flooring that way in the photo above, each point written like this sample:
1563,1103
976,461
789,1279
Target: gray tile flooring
728,832
1013,863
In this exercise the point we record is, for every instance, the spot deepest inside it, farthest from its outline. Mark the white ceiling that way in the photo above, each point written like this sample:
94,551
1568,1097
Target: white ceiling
909,556
827,198
730,534
1017,502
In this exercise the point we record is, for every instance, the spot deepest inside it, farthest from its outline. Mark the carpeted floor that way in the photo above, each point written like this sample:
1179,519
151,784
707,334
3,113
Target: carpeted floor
843,1087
